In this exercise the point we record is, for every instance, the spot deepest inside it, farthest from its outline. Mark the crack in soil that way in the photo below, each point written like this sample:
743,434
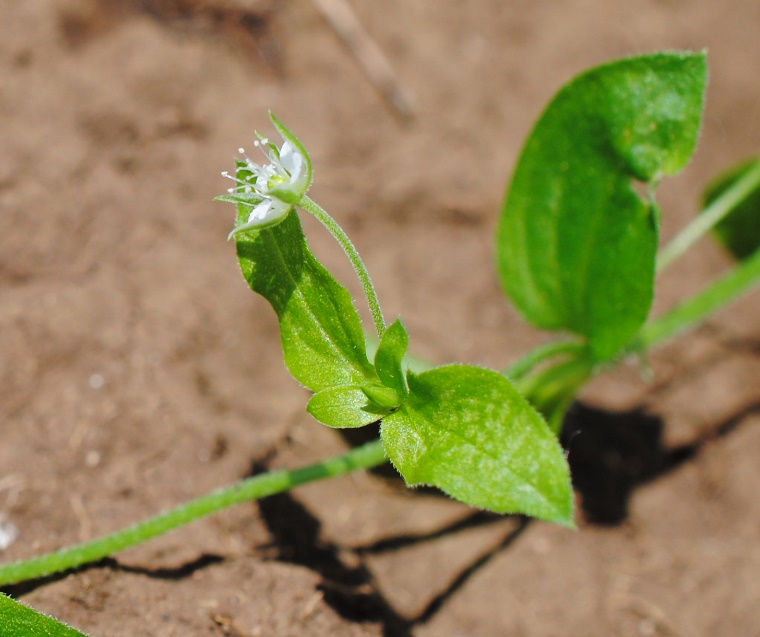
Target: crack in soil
349,590
613,455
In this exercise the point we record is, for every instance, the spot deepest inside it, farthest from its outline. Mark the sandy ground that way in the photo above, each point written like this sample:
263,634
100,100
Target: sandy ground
138,370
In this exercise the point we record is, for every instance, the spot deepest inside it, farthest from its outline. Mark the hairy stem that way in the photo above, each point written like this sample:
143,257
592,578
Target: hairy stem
352,253
370,455
709,217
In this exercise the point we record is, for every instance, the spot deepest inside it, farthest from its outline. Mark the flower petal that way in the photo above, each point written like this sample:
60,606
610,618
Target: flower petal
271,189
267,213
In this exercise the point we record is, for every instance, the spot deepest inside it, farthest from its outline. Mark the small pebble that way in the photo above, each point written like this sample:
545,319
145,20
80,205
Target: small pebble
96,381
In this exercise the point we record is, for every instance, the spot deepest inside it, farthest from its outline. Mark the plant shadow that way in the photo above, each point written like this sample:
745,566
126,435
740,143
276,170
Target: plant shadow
179,572
348,585
348,588
610,455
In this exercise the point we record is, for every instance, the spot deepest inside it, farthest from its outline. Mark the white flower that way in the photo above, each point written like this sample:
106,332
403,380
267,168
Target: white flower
271,189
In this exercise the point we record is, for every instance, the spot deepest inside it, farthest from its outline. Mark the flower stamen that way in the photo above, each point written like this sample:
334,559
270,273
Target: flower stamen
273,188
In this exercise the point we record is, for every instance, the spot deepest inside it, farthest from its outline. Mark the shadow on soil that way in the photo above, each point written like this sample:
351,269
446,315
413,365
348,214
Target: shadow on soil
167,573
348,585
610,455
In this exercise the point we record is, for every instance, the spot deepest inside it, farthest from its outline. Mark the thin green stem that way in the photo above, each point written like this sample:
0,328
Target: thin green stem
541,388
370,455
352,253
710,216
686,315
552,390
521,367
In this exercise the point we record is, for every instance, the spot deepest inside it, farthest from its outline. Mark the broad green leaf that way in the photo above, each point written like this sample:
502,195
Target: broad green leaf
576,241
739,231
321,331
390,353
18,620
343,407
467,431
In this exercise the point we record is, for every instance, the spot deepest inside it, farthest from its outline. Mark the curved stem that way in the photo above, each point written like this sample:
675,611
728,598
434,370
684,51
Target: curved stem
566,376
370,455
709,217
352,253
524,365
553,390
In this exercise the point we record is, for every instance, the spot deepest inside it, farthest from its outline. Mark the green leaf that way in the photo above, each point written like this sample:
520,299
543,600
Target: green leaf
321,331
390,353
576,242
18,620
343,407
739,230
467,431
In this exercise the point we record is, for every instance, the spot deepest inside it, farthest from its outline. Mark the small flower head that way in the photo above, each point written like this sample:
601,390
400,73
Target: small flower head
268,192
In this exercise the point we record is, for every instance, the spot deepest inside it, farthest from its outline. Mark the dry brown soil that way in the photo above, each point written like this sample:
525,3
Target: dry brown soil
138,370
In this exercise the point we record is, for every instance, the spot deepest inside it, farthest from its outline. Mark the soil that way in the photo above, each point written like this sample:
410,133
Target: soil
139,371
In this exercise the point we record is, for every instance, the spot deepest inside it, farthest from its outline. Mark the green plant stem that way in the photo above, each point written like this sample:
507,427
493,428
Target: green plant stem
709,217
369,455
696,309
543,387
524,365
352,253
552,390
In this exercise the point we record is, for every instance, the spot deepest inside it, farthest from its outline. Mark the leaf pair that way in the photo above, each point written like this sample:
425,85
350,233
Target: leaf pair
359,405
321,331
463,429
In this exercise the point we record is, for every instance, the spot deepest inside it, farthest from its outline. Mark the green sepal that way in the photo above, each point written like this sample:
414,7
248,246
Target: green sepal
286,195
19,620
244,198
576,242
321,330
739,230
389,356
467,431
287,134
344,407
